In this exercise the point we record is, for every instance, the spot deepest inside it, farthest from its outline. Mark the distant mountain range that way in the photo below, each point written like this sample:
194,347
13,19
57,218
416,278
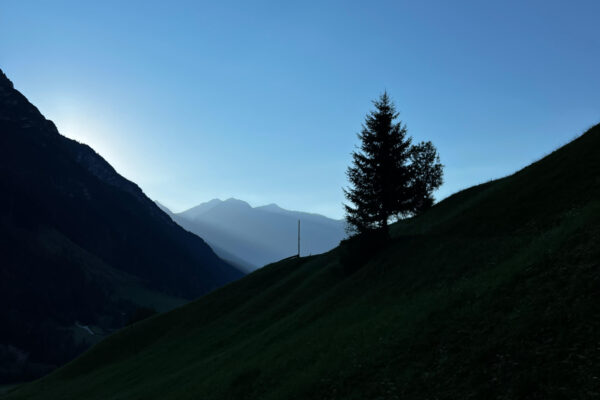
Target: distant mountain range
81,248
254,236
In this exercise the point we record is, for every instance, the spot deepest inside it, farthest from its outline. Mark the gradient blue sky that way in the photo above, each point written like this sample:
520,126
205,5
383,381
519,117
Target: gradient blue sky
262,100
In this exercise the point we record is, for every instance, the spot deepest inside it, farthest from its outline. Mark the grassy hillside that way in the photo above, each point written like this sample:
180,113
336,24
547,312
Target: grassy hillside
492,293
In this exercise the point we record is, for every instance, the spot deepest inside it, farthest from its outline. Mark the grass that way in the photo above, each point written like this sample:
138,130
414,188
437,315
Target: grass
4,389
147,297
492,293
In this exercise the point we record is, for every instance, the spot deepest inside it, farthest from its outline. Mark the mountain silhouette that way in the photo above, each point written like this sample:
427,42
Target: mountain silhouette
254,236
492,293
81,247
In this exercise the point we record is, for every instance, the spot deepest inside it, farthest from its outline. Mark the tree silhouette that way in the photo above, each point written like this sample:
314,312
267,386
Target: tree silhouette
426,173
390,178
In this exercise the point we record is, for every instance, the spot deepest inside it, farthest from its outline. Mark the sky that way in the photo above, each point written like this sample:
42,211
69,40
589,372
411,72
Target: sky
262,101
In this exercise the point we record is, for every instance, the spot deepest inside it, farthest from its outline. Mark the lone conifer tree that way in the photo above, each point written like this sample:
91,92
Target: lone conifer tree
389,177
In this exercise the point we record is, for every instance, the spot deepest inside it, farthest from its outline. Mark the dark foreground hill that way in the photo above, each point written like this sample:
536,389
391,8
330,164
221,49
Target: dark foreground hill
81,248
255,236
493,293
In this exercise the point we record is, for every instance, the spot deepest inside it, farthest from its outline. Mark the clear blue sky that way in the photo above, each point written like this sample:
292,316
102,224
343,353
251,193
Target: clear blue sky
262,100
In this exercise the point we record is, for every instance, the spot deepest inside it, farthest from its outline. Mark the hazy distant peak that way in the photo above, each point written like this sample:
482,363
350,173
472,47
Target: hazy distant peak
274,208
237,202
271,206
212,202
200,209
259,235
208,205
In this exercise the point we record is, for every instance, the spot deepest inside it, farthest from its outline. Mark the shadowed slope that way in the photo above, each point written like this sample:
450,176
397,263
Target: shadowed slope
79,245
492,293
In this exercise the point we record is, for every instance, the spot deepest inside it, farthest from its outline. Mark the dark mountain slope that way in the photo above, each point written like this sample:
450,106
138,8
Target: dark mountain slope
73,235
491,294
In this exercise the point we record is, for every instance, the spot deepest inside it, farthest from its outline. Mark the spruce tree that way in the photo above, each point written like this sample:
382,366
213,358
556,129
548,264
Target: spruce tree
389,177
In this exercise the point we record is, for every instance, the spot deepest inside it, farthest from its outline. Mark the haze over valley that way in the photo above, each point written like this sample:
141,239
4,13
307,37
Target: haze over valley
254,236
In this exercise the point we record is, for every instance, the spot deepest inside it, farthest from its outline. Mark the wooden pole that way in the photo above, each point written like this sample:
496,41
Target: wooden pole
298,238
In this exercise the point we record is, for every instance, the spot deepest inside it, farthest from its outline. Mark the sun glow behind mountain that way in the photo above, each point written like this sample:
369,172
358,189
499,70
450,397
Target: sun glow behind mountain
259,102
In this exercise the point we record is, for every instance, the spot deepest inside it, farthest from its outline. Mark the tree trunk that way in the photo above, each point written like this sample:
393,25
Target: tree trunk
385,228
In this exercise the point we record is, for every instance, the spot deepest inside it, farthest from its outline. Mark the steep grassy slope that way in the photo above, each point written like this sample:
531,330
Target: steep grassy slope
493,293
